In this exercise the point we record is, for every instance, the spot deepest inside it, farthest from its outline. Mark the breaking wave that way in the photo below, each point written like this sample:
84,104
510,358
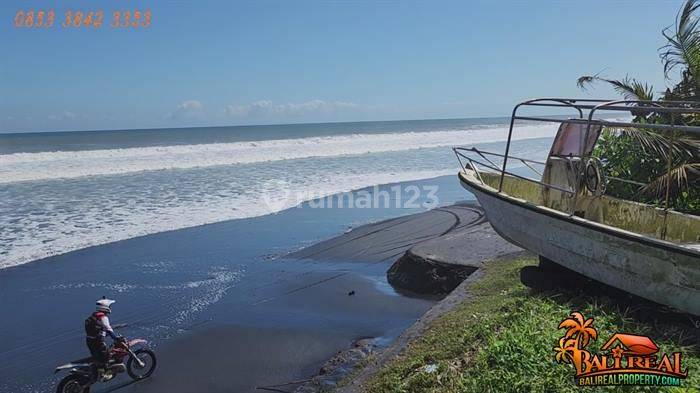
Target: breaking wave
19,167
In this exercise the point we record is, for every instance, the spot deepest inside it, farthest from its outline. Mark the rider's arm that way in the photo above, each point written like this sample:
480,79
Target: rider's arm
107,327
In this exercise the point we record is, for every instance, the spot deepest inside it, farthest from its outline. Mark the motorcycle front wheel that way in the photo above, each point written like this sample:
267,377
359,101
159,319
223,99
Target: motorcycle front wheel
73,384
137,372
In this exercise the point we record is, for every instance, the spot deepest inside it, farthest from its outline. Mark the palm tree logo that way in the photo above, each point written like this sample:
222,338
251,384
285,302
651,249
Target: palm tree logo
572,346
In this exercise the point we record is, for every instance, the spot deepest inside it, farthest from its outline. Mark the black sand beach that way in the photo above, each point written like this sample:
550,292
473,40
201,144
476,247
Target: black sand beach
242,304
225,305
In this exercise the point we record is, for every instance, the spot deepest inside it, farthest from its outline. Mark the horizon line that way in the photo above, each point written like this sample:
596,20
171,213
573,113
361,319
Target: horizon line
248,125
254,125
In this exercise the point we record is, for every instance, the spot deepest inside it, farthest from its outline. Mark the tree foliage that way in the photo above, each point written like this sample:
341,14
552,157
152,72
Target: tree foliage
643,155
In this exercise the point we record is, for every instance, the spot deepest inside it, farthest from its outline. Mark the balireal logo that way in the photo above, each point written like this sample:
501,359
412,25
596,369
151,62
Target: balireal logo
625,359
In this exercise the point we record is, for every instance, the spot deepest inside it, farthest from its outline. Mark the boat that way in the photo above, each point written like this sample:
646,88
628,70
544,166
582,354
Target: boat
562,212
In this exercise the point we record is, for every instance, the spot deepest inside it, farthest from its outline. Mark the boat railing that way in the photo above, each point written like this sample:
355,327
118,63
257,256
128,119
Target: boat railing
460,153
584,111
597,105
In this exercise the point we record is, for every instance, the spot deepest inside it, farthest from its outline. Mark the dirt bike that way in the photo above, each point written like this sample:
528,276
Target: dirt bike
83,373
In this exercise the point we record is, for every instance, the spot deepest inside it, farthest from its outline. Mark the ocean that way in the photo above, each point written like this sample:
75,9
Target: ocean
121,214
64,191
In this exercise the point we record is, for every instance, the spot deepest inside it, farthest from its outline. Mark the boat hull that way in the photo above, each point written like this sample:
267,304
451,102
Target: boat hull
656,270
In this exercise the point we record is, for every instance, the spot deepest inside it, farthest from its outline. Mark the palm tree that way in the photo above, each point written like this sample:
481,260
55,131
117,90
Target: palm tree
579,328
678,155
579,332
565,350
682,50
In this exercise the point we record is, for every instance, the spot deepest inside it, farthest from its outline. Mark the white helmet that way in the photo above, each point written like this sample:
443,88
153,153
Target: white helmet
105,305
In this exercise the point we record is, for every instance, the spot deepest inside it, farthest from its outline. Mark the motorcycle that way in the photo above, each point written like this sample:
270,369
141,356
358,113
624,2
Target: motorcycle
83,373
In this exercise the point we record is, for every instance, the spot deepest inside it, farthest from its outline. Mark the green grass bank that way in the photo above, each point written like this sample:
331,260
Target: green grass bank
503,340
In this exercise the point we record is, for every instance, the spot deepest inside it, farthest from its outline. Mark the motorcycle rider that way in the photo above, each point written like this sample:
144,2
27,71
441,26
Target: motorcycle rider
97,328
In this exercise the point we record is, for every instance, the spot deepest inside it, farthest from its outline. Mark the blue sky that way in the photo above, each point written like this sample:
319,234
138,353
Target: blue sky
256,62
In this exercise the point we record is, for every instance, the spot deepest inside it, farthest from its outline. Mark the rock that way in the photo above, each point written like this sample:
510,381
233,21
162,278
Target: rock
439,265
425,276
335,369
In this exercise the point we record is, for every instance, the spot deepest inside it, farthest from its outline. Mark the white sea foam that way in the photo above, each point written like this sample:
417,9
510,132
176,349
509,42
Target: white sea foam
210,292
41,218
58,232
74,164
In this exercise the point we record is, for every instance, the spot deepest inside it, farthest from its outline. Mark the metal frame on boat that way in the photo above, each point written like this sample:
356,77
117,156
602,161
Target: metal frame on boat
565,216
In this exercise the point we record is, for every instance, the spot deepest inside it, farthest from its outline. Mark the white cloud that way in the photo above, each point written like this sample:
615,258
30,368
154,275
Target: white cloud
66,115
266,108
188,110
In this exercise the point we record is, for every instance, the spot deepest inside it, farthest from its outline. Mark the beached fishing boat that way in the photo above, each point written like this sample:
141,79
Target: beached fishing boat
564,215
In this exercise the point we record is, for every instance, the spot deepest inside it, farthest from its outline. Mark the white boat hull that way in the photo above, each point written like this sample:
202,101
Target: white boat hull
653,269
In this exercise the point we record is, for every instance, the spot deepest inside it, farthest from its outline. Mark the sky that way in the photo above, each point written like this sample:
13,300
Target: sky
206,63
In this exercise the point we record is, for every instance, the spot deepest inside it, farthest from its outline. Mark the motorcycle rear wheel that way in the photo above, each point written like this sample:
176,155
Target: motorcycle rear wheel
137,373
73,384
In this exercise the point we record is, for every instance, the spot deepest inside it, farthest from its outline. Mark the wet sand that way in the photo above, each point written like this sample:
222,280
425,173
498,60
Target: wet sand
230,306
345,307
389,239
239,357
221,303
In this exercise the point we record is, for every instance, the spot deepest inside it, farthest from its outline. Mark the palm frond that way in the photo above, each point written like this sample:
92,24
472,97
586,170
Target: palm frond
656,143
593,333
683,42
680,177
578,317
629,88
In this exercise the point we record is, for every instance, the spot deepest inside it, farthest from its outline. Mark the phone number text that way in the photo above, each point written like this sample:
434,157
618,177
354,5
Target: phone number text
46,19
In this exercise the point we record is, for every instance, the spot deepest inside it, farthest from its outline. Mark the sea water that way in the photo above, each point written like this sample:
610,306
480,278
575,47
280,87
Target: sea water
64,191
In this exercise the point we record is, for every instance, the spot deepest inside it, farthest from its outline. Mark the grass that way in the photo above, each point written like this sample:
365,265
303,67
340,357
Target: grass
502,340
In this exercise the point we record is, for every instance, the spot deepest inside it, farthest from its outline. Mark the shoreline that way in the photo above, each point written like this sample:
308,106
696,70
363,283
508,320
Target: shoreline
446,265
144,198
300,204
376,244
472,344
173,286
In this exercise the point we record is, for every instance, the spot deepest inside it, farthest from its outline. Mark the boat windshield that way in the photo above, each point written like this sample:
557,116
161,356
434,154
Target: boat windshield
569,139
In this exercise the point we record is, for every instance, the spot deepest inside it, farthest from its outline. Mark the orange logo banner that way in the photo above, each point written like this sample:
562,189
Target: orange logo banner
625,359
